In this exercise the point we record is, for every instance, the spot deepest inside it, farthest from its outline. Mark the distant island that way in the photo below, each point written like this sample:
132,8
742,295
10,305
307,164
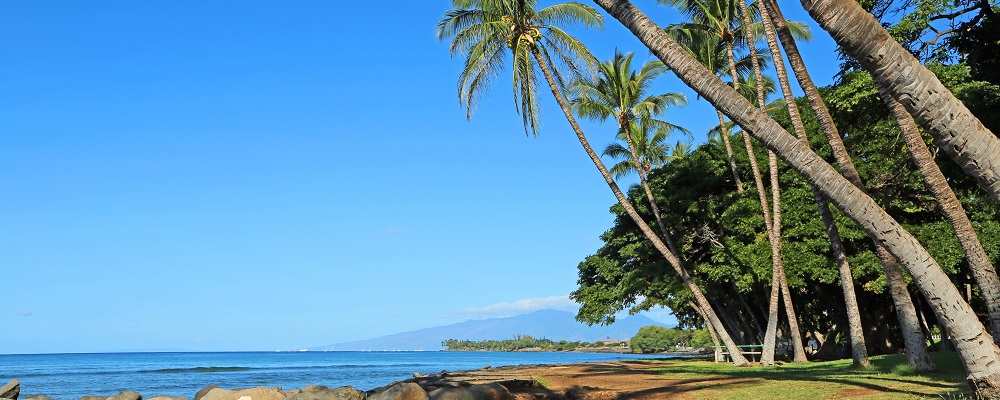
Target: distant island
528,343
561,325
649,339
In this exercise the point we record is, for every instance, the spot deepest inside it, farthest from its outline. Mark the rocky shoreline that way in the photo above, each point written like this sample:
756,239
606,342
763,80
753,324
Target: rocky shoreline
484,384
522,382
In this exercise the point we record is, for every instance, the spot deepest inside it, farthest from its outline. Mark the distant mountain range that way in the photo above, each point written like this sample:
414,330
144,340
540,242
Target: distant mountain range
544,324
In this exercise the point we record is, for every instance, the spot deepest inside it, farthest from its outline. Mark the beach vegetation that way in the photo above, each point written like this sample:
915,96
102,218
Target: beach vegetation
884,247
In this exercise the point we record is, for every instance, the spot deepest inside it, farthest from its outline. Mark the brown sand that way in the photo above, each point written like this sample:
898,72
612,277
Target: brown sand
586,381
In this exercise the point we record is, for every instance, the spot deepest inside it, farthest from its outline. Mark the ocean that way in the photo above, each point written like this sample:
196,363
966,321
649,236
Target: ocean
71,376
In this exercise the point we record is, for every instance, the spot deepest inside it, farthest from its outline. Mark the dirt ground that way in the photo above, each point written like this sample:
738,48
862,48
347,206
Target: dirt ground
611,381
587,381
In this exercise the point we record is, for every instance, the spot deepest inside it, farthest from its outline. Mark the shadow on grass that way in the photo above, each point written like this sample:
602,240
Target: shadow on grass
947,380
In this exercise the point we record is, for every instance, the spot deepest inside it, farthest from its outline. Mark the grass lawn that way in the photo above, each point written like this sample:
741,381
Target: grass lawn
888,378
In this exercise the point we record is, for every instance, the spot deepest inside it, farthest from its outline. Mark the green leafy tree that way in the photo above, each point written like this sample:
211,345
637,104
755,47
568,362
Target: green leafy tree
982,360
485,30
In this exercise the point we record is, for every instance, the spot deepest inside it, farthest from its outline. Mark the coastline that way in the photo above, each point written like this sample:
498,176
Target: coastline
646,379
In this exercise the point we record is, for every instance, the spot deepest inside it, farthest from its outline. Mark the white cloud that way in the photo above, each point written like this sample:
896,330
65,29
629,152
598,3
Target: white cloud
523,306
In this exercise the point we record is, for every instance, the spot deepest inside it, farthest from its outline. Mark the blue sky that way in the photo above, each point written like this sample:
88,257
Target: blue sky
256,175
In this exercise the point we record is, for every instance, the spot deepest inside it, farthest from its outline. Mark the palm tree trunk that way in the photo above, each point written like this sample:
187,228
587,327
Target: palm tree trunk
711,329
758,179
917,357
724,132
774,232
858,351
982,269
639,170
734,351
751,315
980,356
974,147
767,353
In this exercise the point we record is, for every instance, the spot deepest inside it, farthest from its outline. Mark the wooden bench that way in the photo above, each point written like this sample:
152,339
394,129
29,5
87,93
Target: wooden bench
749,351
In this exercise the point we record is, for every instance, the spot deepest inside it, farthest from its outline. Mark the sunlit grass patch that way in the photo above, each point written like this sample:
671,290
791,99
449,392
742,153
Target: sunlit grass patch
888,377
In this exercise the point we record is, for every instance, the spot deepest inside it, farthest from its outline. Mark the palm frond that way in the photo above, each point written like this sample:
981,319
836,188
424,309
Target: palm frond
571,14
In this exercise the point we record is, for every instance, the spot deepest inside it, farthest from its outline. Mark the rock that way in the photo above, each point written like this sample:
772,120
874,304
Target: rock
201,393
94,398
455,393
165,397
257,393
11,390
126,395
492,391
325,393
401,391
37,397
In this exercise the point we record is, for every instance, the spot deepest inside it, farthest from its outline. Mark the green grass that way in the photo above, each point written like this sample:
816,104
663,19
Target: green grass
888,378
542,381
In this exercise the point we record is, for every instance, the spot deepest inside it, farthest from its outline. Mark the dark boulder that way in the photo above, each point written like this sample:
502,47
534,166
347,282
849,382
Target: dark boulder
492,391
453,393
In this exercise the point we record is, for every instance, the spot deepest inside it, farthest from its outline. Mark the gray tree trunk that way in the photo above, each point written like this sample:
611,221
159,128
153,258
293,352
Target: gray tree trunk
799,354
917,357
724,132
674,262
961,135
859,352
979,263
980,356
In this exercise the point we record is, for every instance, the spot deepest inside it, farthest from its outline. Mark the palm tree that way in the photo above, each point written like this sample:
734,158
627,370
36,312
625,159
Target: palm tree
713,54
485,30
680,150
916,352
651,151
980,356
979,263
858,351
723,19
974,147
620,92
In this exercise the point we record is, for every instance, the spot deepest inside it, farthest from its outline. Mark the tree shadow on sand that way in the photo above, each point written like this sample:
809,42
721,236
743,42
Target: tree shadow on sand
888,375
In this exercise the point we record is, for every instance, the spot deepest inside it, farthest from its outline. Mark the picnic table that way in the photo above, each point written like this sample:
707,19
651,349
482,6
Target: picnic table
749,351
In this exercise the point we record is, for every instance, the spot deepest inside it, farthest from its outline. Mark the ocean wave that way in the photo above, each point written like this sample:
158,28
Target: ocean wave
197,370
214,369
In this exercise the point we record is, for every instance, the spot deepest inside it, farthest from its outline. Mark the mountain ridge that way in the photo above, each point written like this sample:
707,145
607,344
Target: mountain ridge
542,324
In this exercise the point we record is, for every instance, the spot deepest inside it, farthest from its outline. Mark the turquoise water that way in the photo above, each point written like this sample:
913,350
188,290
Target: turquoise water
70,376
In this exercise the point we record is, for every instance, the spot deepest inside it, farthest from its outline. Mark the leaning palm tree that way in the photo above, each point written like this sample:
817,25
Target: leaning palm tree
959,133
980,356
620,92
916,352
486,32
730,21
982,269
713,54
859,353
718,20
